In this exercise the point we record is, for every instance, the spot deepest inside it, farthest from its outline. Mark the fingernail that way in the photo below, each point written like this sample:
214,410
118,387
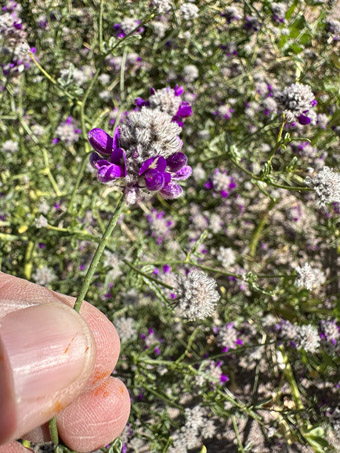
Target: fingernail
51,352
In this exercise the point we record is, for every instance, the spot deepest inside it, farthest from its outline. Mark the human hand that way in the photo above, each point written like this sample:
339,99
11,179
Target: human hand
55,361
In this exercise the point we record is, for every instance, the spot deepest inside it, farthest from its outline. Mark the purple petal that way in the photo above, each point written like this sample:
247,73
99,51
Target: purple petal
167,177
157,163
101,141
94,158
118,157
139,102
182,174
178,90
184,110
176,161
154,180
302,119
116,136
177,119
171,191
108,173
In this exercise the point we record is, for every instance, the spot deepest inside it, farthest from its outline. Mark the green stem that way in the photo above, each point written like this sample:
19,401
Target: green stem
264,128
258,230
29,260
122,74
239,442
274,184
288,373
101,25
148,276
190,342
77,184
46,74
98,254
52,425
278,141
46,170
50,78
83,103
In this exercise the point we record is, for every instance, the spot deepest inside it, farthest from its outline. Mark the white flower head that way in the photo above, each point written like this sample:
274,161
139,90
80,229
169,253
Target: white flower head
309,277
326,185
196,295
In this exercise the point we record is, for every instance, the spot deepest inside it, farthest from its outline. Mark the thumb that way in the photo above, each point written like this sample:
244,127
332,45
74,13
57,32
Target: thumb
47,353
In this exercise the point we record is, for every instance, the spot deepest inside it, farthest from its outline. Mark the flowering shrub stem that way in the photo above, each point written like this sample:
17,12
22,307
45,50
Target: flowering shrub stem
239,442
278,141
83,103
122,72
30,251
148,276
50,78
77,183
258,230
100,32
98,254
52,426
46,170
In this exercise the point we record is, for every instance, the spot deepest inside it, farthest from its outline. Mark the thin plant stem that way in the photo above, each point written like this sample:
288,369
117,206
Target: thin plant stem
77,184
278,141
259,229
148,276
47,170
122,74
101,8
46,74
239,442
271,183
98,254
52,426
83,102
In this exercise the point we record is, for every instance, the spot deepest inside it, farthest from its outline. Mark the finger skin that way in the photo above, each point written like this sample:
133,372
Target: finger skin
112,412
7,408
13,447
16,293
96,418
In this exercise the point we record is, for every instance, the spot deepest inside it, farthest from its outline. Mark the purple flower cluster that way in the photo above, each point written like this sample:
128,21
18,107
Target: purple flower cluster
143,156
221,183
16,48
127,26
168,100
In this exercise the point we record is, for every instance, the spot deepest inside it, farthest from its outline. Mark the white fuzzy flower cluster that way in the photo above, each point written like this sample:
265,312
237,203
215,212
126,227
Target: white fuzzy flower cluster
307,338
44,276
67,133
279,9
41,222
330,330
326,185
10,146
227,336
197,425
125,328
162,6
166,101
226,256
196,295
295,100
309,277
112,261
189,11
190,73
129,24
